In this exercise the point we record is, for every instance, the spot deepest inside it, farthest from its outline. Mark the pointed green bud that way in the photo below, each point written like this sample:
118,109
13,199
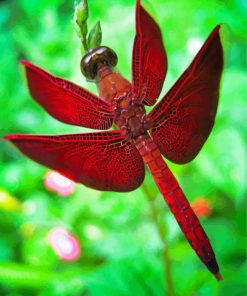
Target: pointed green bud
80,22
81,13
95,36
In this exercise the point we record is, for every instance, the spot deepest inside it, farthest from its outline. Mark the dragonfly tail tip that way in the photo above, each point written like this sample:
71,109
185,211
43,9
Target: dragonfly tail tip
218,276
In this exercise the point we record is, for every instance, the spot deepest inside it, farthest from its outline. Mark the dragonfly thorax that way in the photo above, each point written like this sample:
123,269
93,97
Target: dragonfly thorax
130,116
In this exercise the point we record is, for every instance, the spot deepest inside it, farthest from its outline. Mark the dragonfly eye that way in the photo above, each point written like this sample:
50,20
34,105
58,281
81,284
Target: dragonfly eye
96,58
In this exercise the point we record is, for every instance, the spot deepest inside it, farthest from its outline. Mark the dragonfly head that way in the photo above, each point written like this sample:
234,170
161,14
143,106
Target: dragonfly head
95,59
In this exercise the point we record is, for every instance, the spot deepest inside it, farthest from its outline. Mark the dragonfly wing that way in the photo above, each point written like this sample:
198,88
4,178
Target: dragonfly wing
183,119
149,62
66,101
103,161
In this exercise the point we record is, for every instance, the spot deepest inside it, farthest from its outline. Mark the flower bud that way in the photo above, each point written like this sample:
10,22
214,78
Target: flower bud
81,13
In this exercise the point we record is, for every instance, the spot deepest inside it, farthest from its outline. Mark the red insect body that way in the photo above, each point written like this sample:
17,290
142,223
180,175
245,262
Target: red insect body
112,86
179,124
177,202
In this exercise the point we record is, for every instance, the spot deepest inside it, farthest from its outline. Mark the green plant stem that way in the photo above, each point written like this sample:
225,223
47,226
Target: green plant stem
21,275
163,236
84,43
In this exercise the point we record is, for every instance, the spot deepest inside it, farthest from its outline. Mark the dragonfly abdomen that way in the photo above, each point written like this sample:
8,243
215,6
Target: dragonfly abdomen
177,202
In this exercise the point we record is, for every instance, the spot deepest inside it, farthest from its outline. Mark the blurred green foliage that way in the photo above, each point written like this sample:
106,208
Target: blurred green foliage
120,245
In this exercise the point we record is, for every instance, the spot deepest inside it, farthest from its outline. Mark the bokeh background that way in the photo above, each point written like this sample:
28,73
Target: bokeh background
60,238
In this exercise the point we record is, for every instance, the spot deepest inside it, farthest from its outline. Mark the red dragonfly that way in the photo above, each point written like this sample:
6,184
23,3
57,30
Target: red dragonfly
177,126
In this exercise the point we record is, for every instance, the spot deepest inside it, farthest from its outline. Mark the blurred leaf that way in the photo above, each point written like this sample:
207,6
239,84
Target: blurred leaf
37,252
128,278
224,162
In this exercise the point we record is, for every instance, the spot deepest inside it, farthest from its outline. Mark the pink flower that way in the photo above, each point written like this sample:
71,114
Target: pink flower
202,207
54,181
65,244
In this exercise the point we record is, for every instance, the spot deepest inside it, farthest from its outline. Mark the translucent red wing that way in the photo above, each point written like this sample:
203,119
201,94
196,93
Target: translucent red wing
149,62
183,119
103,161
66,101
